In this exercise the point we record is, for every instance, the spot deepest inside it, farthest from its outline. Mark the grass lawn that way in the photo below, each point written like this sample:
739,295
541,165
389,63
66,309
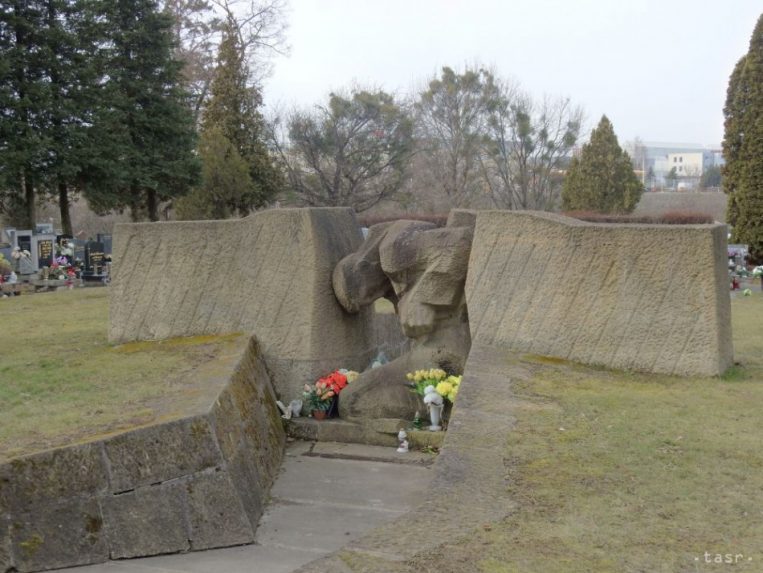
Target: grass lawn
61,381
611,471
629,472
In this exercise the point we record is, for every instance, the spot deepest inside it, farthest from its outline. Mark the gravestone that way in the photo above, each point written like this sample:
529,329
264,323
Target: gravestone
24,240
79,249
40,248
106,239
94,260
44,252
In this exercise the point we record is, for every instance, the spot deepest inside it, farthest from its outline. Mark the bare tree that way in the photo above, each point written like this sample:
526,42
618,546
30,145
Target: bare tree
637,150
526,147
352,152
450,121
261,27
259,24
195,28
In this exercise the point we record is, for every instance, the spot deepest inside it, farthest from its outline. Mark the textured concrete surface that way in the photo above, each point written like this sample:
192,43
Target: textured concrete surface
707,203
268,275
642,297
191,483
327,495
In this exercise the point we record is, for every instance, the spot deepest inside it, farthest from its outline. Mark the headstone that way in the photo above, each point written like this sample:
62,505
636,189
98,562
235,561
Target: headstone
66,247
24,240
41,251
44,252
94,258
26,266
79,249
105,238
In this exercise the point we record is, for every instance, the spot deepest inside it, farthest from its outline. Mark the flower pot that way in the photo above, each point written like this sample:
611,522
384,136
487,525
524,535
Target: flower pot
320,414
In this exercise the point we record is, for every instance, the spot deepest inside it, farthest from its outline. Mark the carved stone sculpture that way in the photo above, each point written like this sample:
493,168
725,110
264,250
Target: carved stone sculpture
422,269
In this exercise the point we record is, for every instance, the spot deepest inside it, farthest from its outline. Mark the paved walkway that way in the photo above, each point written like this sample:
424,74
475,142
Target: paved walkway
327,495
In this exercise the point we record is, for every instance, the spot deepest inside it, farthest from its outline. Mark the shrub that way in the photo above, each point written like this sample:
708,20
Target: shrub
668,218
5,266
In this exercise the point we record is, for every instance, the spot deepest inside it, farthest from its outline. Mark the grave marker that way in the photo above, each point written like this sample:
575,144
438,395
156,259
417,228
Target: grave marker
94,259
44,253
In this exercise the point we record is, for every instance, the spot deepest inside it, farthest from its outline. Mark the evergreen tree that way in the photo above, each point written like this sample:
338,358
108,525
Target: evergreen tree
22,91
145,130
743,147
47,85
69,49
233,129
711,177
602,178
225,180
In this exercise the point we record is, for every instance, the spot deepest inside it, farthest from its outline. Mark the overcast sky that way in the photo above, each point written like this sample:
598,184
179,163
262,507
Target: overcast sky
658,69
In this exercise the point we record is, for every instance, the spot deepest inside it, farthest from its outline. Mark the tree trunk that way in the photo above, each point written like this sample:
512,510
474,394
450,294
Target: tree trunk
152,204
134,205
63,207
30,214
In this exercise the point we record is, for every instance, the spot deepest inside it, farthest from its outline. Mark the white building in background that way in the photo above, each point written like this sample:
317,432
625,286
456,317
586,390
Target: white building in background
689,160
689,167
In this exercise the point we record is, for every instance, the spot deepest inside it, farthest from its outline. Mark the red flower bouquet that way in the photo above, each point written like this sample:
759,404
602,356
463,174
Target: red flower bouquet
321,396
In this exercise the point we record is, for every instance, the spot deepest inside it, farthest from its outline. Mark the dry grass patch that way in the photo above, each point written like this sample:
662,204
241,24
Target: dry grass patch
629,472
61,381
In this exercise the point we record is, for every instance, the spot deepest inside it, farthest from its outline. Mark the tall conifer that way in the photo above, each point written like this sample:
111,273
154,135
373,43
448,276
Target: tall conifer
232,113
743,147
145,126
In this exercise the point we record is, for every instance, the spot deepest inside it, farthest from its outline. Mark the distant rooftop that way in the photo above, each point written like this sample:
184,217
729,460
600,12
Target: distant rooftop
681,146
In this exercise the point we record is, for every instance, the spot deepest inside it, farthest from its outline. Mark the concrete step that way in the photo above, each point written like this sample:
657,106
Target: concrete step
372,432
326,495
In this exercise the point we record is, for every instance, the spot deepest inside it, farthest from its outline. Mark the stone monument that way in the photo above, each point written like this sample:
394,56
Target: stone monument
422,269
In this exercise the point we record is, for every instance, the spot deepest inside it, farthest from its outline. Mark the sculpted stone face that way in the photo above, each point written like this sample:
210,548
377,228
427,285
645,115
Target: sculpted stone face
422,269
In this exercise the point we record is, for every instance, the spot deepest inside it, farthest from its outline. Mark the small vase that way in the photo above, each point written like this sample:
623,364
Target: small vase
434,416
320,414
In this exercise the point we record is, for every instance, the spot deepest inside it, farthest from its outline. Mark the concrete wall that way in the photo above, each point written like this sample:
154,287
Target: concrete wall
706,202
189,484
643,297
268,274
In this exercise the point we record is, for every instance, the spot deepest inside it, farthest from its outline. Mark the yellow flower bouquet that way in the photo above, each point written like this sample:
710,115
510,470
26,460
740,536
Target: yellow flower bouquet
446,384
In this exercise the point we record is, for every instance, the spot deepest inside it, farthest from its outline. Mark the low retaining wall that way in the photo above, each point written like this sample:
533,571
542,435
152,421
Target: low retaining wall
188,484
643,297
